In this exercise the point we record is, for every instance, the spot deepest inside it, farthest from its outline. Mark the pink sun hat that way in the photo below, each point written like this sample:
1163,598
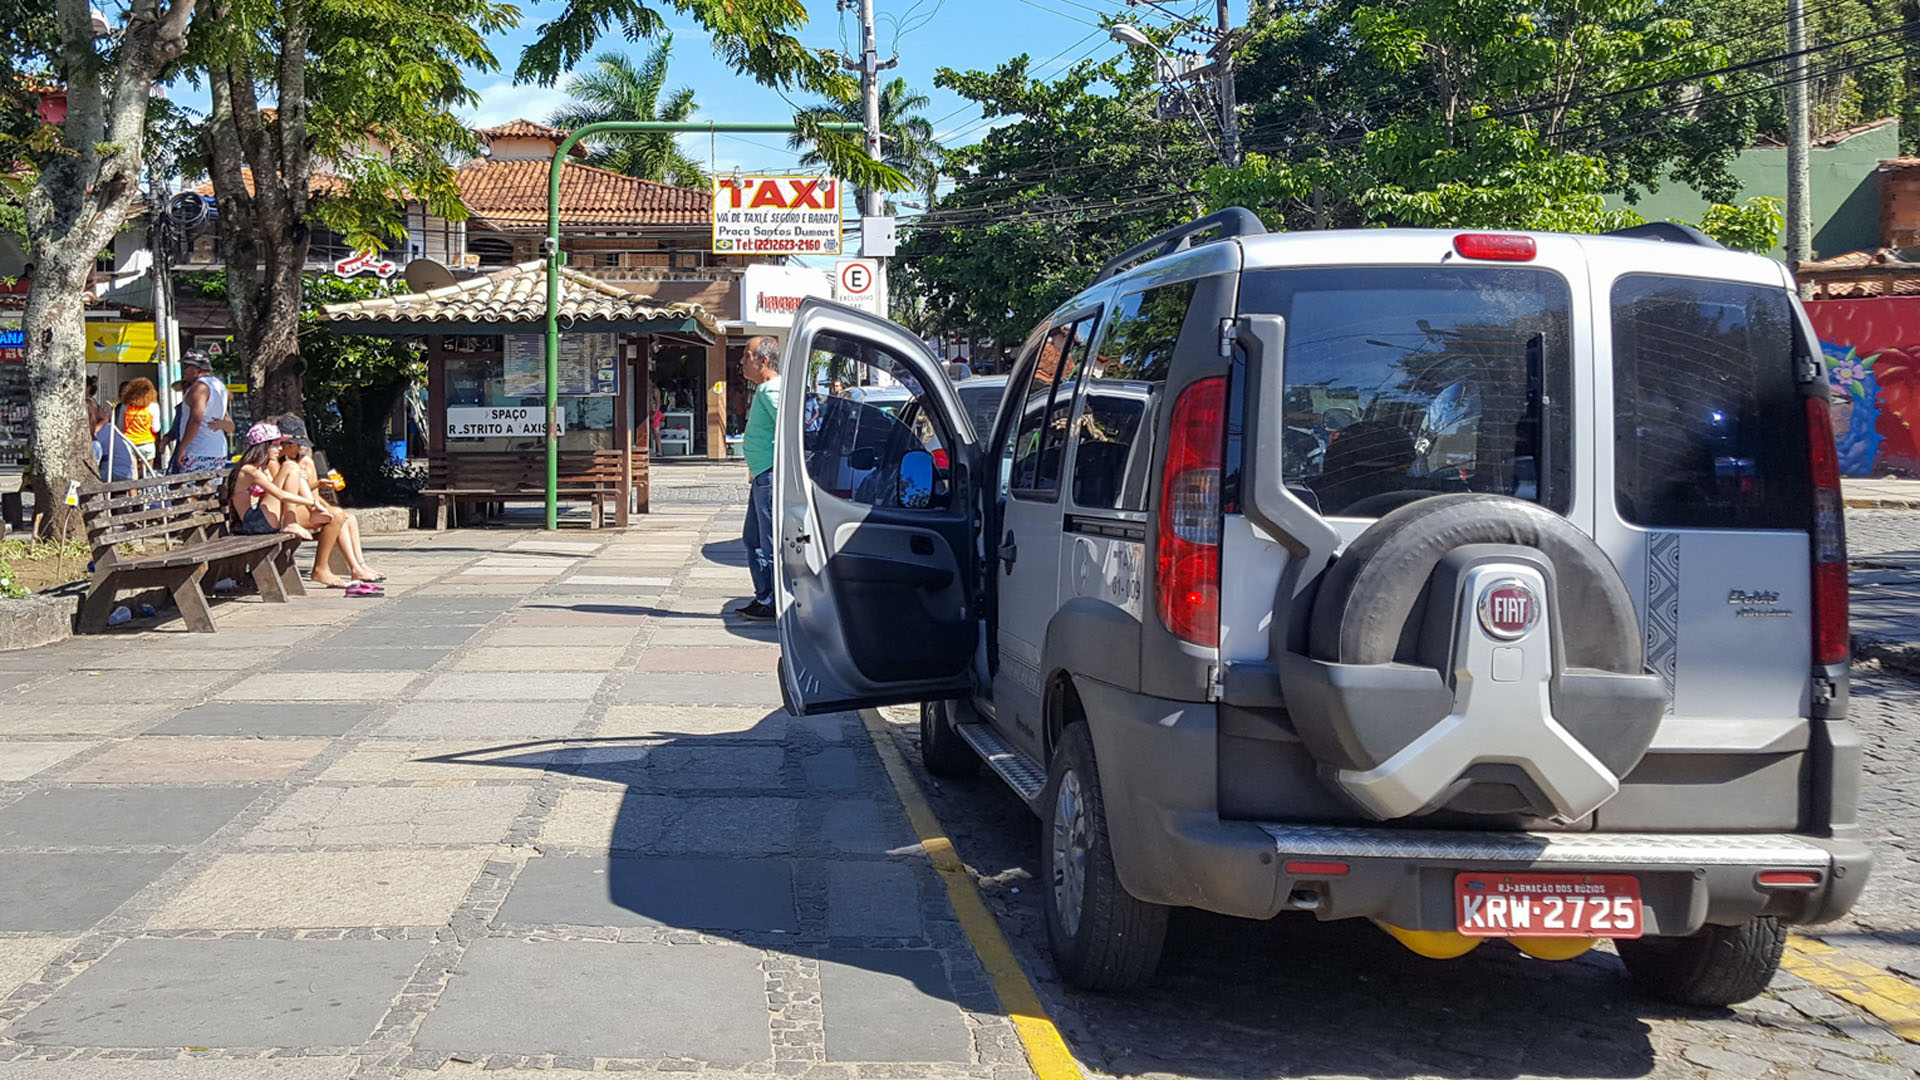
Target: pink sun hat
263,432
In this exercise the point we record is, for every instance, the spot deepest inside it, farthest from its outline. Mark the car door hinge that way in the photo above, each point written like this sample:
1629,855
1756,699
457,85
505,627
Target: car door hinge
1216,682
1229,333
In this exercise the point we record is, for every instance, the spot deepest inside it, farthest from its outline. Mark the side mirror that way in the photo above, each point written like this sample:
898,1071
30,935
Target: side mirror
916,480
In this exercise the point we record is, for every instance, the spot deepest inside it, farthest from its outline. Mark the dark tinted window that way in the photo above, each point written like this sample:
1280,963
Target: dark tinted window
1403,382
1124,381
854,448
1708,425
1039,441
982,402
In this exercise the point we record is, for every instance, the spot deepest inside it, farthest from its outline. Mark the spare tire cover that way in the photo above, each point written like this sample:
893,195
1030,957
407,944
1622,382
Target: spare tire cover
1370,604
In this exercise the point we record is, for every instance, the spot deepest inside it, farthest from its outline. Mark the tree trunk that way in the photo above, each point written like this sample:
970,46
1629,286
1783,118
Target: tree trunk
82,196
56,335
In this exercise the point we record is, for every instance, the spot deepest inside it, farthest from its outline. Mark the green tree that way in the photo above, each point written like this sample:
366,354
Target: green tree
906,137
1078,170
1489,113
353,382
615,89
756,38
86,172
364,89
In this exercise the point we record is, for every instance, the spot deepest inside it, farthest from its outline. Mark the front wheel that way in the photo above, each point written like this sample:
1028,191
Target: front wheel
942,750
1102,938
1717,966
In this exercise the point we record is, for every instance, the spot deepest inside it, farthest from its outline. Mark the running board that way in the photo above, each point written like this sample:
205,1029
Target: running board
1023,774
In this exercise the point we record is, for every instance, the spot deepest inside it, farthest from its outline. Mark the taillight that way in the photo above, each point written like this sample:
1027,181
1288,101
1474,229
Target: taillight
1502,247
1190,522
1830,645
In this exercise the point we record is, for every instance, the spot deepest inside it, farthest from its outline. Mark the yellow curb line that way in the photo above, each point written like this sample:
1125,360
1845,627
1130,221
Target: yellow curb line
1890,998
1046,1051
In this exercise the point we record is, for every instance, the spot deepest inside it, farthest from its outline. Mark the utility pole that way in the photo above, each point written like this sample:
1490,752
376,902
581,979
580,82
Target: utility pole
871,206
1229,109
1799,198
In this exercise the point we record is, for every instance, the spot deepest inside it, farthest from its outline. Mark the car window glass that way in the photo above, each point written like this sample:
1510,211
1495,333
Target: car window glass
1708,428
1124,381
1040,438
982,402
1405,382
855,442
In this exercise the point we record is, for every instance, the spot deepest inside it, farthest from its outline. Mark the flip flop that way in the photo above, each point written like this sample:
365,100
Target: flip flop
364,589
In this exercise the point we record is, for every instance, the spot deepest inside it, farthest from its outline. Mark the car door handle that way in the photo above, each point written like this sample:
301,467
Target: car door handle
1009,551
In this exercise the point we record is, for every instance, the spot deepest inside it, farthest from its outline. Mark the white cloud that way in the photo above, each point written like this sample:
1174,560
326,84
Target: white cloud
504,100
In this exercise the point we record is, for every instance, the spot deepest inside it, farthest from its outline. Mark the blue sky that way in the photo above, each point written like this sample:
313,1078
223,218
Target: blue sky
925,34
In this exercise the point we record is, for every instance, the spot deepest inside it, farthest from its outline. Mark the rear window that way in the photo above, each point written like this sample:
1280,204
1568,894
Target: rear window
1708,425
1404,382
982,403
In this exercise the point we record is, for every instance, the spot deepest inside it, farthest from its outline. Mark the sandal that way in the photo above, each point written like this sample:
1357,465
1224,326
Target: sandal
364,589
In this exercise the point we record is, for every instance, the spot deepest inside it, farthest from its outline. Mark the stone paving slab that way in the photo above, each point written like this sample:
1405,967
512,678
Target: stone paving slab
702,689
20,760
740,659
62,892
442,761
687,893
604,999
349,658
320,889
22,958
482,720
752,722
265,720
177,759
104,689
511,686
321,686
388,817
123,717
236,993
552,637
143,816
890,1005
581,658
251,1068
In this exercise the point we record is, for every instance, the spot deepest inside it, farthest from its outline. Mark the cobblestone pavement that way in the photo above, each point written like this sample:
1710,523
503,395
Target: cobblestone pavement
537,809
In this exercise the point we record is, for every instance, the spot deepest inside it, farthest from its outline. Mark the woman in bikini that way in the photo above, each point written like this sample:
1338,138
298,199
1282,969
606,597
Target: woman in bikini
299,475
255,496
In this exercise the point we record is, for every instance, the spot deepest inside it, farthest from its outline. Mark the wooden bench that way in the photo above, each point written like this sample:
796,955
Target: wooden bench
489,478
186,514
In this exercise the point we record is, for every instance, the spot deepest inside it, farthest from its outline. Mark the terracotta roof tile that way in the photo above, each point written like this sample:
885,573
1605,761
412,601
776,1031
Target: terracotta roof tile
517,294
513,195
521,129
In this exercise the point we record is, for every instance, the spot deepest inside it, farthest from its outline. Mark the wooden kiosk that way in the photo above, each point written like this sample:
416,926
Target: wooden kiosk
486,384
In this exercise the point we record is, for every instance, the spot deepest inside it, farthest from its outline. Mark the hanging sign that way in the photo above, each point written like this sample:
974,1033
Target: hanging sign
786,215
361,262
856,283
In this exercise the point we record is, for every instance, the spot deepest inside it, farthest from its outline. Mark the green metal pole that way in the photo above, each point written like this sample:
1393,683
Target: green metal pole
555,256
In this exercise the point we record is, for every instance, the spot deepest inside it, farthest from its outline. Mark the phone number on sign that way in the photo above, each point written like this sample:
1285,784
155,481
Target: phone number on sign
785,244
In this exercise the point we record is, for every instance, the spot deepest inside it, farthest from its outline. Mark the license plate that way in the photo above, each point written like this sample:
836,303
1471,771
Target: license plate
1547,905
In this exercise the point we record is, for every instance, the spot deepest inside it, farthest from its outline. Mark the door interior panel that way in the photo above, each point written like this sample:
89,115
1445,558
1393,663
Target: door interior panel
910,572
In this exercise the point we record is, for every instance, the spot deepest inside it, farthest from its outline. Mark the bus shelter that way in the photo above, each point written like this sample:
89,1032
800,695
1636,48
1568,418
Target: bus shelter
486,383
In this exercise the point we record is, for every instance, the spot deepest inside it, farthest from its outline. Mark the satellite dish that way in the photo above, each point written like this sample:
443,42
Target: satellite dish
425,274
186,208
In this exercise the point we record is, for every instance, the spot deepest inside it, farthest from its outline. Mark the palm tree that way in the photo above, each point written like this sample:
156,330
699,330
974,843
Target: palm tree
615,89
906,137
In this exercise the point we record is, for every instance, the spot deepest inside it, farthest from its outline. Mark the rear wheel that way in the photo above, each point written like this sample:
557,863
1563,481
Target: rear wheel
942,750
1719,965
1102,938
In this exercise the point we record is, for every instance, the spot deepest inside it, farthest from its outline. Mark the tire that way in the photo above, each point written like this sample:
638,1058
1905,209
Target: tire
1102,938
942,750
1718,966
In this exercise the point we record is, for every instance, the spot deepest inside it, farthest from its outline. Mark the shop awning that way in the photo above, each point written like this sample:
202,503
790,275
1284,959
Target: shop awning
514,301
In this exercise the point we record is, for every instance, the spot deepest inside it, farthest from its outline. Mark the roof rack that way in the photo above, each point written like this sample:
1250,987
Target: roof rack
1671,232
1231,222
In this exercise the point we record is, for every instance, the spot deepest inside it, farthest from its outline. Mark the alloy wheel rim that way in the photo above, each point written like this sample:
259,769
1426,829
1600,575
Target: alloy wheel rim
1069,852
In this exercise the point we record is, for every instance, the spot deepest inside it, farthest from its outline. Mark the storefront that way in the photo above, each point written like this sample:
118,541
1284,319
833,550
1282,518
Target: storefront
486,378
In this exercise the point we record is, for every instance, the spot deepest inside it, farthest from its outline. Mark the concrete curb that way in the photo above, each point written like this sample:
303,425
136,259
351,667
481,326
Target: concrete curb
33,621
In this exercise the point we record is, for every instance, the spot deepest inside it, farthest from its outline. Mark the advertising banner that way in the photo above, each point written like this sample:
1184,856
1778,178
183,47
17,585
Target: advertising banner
781,215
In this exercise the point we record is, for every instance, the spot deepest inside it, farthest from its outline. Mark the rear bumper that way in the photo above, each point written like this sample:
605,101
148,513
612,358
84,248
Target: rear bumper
1159,770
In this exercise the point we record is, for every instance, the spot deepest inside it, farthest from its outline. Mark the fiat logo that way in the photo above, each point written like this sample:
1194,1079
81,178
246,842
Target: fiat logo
1508,609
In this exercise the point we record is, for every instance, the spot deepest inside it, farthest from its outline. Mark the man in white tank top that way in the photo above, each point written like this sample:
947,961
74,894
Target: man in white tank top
202,444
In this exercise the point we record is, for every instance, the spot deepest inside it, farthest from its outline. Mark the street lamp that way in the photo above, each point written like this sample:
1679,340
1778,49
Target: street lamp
1131,35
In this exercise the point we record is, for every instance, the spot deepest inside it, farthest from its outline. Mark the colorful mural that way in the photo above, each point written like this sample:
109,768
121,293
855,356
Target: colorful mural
1872,351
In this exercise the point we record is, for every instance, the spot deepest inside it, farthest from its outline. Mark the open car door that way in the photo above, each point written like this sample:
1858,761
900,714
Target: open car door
874,517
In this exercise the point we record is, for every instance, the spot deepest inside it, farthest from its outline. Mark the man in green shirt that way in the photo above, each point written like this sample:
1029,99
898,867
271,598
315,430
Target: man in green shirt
761,366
